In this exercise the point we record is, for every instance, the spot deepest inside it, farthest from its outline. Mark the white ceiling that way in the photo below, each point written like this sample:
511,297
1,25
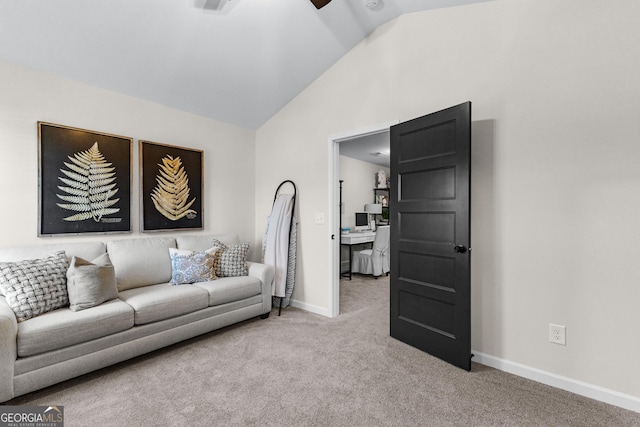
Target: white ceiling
372,148
239,65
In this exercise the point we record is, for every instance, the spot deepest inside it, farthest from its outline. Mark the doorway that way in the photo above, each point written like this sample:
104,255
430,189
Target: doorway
430,304
334,203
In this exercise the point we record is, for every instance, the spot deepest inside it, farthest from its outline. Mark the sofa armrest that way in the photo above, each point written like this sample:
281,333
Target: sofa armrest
265,273
8,349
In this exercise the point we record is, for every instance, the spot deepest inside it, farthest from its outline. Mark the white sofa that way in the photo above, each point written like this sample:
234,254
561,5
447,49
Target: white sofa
147,314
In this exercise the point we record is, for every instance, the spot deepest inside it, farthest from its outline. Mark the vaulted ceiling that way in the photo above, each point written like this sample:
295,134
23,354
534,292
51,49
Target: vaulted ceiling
239,65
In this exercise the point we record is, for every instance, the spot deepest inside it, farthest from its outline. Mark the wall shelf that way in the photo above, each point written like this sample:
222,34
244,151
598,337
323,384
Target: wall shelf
381,196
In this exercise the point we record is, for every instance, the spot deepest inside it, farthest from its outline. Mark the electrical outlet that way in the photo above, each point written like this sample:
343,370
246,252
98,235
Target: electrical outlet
557,334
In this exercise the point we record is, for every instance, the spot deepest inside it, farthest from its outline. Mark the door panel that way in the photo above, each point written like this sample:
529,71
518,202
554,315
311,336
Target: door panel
429,184
424,310
441,137
441,231
430,216
427,269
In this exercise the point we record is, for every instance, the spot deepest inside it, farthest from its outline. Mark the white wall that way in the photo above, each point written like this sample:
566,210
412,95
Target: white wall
29,96
556,182
357,188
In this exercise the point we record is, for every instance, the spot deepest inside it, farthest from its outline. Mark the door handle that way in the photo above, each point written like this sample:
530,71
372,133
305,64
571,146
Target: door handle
459,249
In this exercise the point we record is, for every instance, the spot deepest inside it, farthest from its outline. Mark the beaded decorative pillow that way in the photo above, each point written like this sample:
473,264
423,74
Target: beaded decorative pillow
230,260
35,286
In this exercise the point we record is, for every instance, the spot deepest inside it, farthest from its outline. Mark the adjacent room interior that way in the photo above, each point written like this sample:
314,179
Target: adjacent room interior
363,197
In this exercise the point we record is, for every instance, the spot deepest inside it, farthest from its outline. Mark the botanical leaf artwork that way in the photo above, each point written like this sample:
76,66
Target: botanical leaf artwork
171,195
89,186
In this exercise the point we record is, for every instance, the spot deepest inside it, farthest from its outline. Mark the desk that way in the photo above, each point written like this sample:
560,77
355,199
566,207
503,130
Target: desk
352,239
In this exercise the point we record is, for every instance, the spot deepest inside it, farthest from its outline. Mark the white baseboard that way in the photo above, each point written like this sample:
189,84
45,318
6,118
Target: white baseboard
602,394
310,307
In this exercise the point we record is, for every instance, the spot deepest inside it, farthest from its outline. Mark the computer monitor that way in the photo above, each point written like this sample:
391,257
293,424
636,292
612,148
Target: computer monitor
362,221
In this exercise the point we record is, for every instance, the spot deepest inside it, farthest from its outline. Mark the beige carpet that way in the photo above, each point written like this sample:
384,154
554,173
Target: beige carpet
303,369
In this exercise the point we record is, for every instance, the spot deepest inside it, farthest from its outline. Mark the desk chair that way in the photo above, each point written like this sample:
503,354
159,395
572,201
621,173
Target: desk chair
374,261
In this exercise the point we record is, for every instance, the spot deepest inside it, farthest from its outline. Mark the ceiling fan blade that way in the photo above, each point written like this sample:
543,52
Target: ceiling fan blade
214,4
320,3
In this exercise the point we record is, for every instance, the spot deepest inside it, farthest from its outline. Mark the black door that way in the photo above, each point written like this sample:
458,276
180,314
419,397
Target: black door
430,234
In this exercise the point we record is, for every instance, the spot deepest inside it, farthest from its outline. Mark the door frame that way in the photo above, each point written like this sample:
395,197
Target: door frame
334,199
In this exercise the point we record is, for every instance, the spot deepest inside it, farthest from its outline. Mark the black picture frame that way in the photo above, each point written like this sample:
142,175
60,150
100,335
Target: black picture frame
171,187
84,181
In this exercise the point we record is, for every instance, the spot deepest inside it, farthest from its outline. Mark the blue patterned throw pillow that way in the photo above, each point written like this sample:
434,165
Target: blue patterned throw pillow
191,266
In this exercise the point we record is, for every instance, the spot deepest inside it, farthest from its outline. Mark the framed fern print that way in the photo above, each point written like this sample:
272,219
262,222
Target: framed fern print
84,181
171,187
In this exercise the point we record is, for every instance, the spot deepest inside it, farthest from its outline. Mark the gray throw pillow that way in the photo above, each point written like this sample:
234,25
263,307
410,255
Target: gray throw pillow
35,286
91,283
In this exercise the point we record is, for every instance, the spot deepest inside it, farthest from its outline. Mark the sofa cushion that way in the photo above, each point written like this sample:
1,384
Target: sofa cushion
86,250
191,266
63,327
141,262
229,289
159,302
202,242
230,260
35,286
91,283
